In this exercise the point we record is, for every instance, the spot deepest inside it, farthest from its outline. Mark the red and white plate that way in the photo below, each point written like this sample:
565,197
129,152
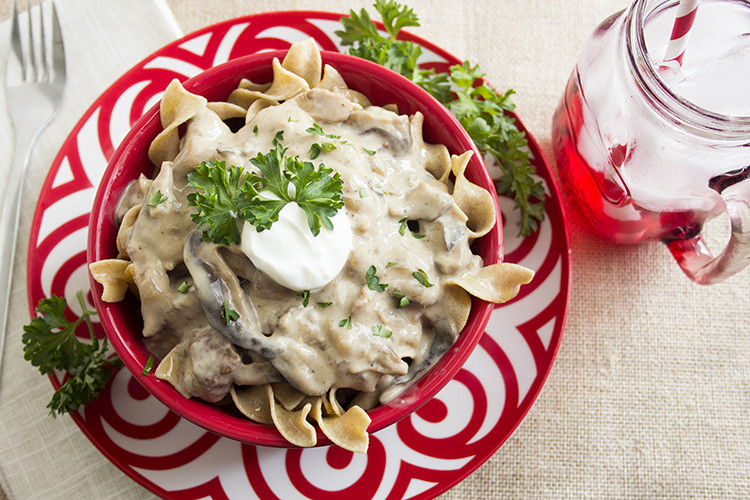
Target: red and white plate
419,457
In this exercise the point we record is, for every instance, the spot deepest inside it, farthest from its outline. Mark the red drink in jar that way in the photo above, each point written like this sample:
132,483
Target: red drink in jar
640,160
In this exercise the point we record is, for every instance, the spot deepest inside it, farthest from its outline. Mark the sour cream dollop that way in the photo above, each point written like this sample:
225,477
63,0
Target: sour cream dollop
292,256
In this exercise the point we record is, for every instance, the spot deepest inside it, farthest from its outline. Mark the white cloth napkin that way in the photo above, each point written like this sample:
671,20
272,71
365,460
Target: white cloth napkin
43,457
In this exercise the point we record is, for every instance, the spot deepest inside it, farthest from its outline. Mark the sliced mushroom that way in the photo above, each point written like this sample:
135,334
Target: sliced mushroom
219,292
325,105
394,128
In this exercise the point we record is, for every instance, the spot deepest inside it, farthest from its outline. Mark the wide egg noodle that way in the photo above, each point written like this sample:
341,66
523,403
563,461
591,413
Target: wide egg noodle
252,401
177,107
115,275
126,227
334,82
303,59
226,110
476,202
496,283
293,425
256,107
287,396
348,430
437,159
285,86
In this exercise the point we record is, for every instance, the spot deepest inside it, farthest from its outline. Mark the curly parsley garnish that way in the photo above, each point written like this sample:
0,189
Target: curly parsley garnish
50,344
224,196
483,112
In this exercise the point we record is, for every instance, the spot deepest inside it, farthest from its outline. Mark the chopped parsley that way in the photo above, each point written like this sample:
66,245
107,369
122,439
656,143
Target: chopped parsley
403,299
230,314
346,322
323,305
149,365
318,130
373,282
184,287
317,147
156,199
381,331
305,296
422,277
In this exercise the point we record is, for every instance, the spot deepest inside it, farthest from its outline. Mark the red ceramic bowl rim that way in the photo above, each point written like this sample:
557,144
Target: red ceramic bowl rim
101,245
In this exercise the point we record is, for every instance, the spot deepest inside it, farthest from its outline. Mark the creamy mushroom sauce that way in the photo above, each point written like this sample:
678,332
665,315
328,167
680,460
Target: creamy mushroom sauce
388,175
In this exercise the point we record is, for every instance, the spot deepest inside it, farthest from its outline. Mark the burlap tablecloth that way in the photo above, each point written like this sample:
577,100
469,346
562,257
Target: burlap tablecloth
648,397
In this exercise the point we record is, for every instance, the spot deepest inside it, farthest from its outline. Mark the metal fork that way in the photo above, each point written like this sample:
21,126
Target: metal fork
35,81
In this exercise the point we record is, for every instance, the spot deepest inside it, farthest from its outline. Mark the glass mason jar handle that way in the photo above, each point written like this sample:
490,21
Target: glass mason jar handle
697,261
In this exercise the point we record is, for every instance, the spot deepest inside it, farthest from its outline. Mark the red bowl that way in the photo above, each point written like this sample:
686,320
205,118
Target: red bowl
122,321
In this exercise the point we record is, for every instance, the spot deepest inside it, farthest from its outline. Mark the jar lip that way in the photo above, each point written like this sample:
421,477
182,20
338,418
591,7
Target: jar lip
649,79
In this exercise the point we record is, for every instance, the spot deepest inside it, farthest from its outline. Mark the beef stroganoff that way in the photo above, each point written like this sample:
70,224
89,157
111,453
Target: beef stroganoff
324,308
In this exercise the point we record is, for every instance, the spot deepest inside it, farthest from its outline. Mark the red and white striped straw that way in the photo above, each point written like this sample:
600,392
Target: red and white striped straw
681,30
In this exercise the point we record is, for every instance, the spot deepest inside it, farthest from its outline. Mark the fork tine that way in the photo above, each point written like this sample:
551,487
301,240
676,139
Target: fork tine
15,37
30,43
44,76
58,49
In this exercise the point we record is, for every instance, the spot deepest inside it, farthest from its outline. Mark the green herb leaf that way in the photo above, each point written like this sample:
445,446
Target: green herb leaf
402,226
403,299
318,130
373,282
381,331
305,296
148,366
50,344
421,276
316,148
230,314
184,287
323,305
369,151
156,199
219,199
347,322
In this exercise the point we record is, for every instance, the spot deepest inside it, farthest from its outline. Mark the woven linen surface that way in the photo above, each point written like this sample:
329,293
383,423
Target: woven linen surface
648,397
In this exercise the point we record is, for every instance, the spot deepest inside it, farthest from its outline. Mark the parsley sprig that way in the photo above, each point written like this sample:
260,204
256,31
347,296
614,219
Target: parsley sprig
50,344
483,112
225,195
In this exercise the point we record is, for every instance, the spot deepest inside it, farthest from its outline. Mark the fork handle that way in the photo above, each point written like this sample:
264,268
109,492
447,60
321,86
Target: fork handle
9,218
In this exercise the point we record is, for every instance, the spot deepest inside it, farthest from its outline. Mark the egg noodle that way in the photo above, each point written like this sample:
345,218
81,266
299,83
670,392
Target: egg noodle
227,330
